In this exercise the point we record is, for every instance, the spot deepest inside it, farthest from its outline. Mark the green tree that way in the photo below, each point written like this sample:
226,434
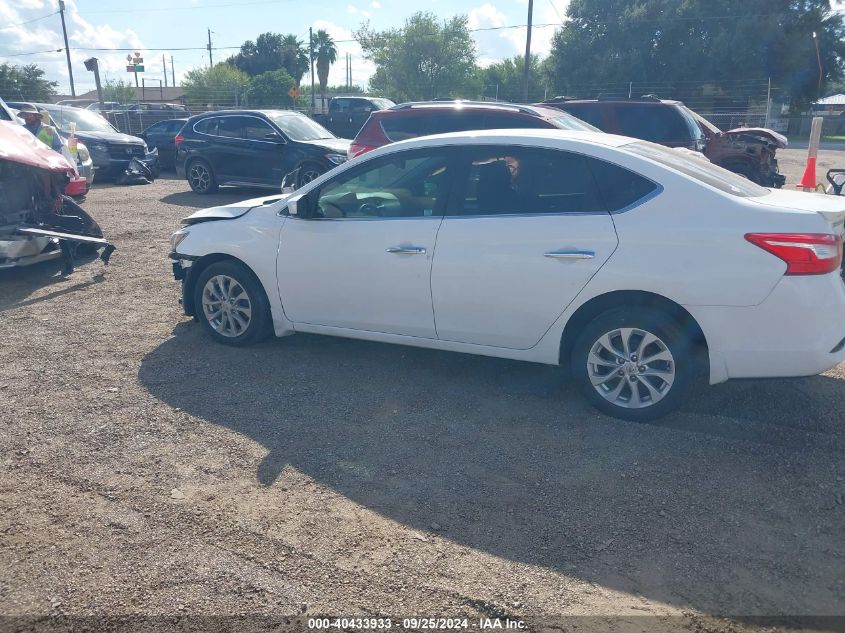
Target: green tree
423,60
260,56
118,90
221,84
504,80
326,52
612,42
294,57
25,83
269,89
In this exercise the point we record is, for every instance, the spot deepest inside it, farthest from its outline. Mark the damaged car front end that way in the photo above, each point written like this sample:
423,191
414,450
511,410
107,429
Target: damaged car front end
38,222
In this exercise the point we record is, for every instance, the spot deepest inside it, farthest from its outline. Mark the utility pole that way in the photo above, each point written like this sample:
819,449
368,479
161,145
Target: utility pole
527,53
92,64
311,58
67,48
210,61
164,64
172,72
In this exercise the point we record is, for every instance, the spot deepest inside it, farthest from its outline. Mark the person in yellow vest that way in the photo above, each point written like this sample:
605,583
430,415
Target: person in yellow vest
44,133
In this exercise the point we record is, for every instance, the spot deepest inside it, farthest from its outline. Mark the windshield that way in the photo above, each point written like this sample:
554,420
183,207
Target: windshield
699,169
86,120
704,123
300,128
568,122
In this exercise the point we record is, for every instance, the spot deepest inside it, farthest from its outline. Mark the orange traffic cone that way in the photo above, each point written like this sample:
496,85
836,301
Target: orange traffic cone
809,179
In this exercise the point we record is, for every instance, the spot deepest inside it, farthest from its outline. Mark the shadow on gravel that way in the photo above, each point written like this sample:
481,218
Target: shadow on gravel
17,284
226,195
729,507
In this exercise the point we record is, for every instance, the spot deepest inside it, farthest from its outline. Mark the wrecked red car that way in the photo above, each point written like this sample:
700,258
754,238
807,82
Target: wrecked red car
38,222
744,150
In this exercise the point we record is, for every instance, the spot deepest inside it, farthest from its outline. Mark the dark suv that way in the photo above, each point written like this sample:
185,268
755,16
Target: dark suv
254,148
410,120
746,151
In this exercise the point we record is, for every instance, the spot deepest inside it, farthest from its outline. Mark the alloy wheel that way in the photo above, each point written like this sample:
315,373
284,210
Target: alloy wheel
200,177
226,306
631,368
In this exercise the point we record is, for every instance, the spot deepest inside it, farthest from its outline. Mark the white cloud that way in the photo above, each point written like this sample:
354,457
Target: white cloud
494,45
46,34
375,4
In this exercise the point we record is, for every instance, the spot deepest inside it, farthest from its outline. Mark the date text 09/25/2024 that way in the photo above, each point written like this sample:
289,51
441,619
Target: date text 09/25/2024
415,623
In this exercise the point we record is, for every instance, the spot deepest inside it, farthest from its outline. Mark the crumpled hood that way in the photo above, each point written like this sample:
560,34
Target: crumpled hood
108,137
18,145
232,211
339,145
778,139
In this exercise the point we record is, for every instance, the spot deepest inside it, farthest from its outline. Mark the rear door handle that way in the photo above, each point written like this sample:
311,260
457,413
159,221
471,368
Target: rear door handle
407,250
570,254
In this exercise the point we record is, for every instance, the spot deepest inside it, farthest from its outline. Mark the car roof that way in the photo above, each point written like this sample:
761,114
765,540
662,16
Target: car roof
475,106
634,101
540,137
204,115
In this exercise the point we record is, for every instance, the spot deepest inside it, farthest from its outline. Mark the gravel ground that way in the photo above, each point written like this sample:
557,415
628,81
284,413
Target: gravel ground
145,471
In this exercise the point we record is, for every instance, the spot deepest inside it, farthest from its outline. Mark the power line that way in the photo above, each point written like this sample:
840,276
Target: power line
52,50
11,26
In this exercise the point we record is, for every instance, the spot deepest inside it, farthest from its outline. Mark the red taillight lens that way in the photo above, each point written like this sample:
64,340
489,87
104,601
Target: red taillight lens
178,140
804,253
356,150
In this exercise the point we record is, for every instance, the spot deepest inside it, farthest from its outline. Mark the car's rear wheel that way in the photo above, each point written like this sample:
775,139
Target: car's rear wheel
634,363
231,304
201,177
308,172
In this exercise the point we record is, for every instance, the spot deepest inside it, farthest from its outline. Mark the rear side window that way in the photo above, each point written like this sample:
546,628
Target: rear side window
231,127
591,113
654,123
619,187
206,126
512,180
505,122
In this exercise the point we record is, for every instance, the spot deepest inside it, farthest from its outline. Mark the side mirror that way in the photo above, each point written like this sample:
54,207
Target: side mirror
296,205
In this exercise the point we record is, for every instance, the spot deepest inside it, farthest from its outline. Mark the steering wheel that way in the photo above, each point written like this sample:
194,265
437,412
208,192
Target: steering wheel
372,206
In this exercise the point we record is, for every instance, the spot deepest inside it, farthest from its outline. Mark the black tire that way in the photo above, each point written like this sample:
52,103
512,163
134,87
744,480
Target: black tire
228,328
650,384
200,176
307,173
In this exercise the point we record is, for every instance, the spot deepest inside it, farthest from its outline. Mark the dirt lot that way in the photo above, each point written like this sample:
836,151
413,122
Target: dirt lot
146,471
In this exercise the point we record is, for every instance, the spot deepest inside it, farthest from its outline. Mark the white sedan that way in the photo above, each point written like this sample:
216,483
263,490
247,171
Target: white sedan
637,267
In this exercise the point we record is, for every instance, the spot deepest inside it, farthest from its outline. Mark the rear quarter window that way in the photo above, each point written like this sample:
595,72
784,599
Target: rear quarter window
206,126
618,187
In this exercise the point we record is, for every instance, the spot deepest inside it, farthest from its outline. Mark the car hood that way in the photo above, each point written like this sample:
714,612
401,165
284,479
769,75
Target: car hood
339,145
108,137
18,145
232,211
769,135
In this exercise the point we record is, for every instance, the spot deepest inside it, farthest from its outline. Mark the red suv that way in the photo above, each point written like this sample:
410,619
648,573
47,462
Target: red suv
409,120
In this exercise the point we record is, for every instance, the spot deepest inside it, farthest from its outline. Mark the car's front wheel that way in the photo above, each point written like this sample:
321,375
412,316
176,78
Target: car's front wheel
634,363
231,304
308,172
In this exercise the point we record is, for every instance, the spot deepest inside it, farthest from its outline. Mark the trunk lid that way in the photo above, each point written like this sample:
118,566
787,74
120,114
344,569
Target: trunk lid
831,208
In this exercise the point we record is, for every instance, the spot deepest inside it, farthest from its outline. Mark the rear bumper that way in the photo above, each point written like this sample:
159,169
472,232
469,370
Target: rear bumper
797,331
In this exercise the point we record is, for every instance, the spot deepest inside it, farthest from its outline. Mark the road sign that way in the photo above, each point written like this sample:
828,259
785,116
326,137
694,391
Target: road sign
293,93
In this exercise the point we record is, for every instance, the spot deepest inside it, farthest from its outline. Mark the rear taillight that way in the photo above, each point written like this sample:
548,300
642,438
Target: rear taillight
178,140
356,150
804,253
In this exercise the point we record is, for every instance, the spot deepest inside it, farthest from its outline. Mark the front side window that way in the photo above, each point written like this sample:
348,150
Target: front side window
410,184
511,180
257,130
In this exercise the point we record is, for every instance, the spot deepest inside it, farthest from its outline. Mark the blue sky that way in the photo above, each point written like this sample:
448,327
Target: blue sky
170,25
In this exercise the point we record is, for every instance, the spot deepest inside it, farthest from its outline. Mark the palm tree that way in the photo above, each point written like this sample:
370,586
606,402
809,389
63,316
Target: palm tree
326,56
294,57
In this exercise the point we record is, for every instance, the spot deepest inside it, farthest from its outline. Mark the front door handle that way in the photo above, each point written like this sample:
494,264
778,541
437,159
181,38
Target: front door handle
407,250
569,254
